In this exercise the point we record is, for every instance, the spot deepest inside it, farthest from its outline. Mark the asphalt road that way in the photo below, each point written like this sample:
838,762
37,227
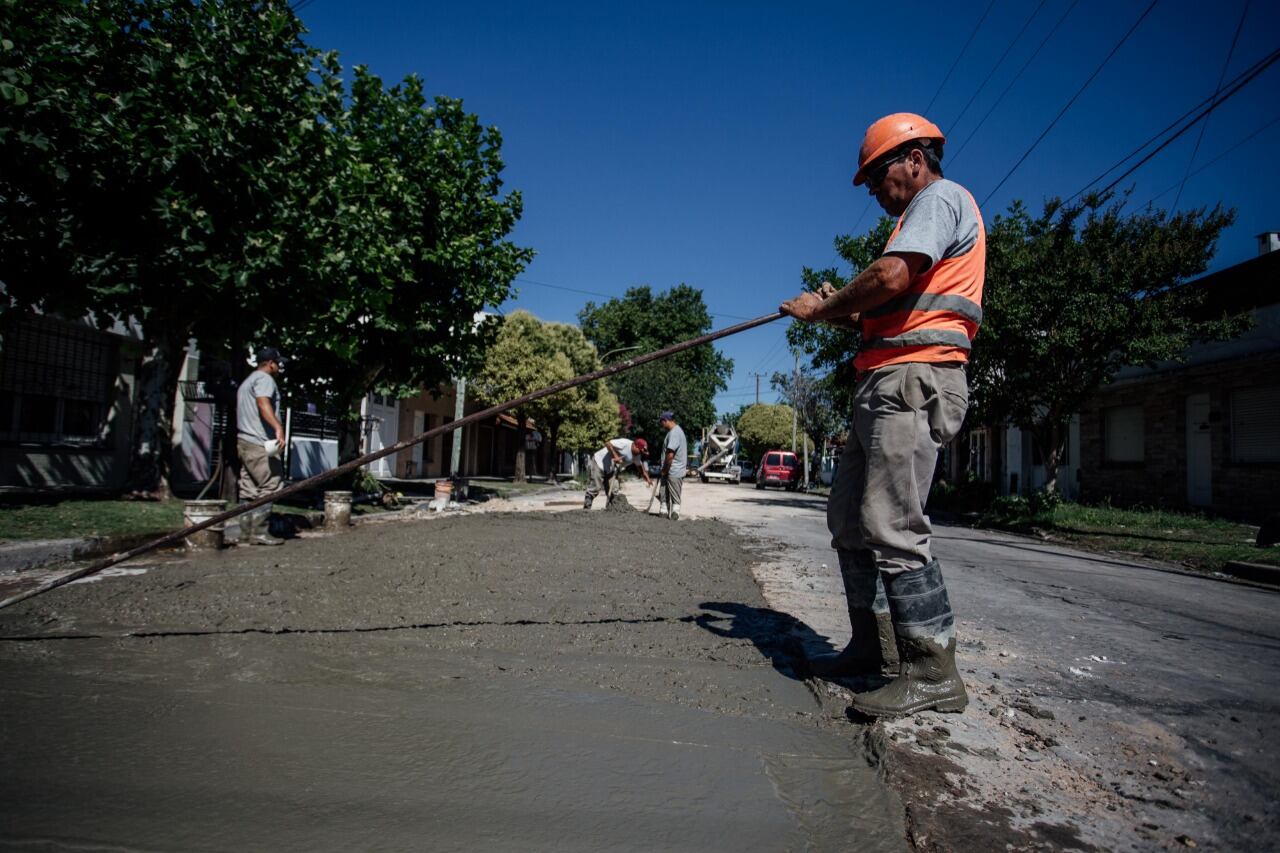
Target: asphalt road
1161,684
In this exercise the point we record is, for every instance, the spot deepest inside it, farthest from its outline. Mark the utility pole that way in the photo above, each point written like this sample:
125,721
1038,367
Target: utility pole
795,411
757,376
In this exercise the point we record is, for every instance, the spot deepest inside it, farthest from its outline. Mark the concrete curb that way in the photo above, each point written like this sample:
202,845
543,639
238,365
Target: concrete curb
20,556
1256,572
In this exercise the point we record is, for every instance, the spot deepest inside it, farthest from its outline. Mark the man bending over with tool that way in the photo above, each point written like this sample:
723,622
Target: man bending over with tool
675,463
918,306
608,462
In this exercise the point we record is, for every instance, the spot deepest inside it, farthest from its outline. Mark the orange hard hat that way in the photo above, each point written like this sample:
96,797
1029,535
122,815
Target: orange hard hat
888,133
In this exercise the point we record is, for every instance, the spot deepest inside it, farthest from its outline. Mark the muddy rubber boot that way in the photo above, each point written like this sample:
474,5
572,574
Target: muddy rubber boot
674,514
863,656
244,524
884,629
587,502
927,675
261,530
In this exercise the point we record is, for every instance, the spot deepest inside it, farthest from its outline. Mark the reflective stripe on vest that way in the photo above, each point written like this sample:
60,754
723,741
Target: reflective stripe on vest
938,316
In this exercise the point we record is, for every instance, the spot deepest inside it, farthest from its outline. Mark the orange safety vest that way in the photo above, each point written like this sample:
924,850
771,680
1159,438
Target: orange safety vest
936,318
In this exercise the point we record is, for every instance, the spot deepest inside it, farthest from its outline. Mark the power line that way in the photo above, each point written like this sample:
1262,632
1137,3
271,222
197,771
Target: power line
1016,78
1204,124
1264,65
1078,93
1204,166
1170,126
999,62
969,41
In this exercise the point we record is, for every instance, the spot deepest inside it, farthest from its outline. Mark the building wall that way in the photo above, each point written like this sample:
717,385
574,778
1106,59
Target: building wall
1160,479
104,466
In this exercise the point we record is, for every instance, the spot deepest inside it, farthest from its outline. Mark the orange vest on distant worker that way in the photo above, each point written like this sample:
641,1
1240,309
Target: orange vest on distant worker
936,319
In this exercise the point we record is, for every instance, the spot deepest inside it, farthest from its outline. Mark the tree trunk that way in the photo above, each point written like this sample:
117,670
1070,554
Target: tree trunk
520,476
157,384
1052,439
553,439
350,428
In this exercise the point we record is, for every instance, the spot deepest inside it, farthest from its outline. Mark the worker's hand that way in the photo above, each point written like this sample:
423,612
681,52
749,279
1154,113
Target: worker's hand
280,436
805,307
827,290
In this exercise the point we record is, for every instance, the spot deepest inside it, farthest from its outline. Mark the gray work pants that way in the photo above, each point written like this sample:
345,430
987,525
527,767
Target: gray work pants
260,474
669,491
902,415
598,480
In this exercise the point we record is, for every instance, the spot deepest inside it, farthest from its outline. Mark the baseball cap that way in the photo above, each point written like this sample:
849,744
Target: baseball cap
269,354
668,415
641,446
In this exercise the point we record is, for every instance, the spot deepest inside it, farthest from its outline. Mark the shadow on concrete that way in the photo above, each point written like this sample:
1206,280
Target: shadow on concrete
785,641
780,637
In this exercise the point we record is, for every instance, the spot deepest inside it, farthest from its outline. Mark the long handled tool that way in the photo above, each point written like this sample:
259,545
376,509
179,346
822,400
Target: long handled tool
348,467
653,494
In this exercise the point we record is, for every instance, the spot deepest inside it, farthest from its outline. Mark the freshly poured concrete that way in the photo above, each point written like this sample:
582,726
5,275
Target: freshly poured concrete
542,681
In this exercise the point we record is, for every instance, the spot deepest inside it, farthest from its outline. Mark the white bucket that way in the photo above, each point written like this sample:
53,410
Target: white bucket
337,510
195,512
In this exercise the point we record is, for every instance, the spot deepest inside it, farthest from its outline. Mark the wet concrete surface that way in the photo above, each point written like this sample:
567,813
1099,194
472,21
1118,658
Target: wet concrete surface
1116,705
566,681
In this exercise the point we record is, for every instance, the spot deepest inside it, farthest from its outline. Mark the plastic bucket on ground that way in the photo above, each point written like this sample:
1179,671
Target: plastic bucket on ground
195,512
444,490
337,510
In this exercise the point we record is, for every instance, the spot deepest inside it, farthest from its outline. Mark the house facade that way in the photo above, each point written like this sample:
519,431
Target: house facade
1200,433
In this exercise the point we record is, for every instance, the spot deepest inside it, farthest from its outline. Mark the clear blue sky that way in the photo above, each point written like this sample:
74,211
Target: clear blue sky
713,143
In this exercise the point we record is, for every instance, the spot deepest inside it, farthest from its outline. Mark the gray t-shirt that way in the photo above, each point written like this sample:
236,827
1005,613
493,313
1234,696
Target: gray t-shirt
677,442
250,425
941,222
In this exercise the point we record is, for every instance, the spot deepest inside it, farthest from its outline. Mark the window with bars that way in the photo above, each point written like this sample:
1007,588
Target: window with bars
56,383
1123,434
1255,424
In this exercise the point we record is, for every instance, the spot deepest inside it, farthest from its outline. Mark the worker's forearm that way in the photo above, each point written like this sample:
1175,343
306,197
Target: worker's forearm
884,279
269,415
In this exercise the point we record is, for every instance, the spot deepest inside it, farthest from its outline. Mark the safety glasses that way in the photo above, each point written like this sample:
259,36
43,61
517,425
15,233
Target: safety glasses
877,173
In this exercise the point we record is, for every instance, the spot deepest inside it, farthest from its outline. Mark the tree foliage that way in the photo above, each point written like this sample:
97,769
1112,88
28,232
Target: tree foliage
685,383
1076,293
150,151
199,167
765,427
523,359
582,418
397,250
830,348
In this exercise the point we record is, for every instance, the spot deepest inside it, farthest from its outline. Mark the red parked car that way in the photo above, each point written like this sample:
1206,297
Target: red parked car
779,468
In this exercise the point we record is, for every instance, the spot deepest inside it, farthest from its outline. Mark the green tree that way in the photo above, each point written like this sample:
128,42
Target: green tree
810,397
685,383
582,418
831,348
397,251
152,150
1076,293
766,426
523,359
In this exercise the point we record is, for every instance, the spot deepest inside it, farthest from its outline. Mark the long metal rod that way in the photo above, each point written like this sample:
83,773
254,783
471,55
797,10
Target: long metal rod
310,482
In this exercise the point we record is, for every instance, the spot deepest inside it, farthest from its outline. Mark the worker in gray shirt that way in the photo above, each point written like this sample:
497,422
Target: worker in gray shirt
259,443
675,463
